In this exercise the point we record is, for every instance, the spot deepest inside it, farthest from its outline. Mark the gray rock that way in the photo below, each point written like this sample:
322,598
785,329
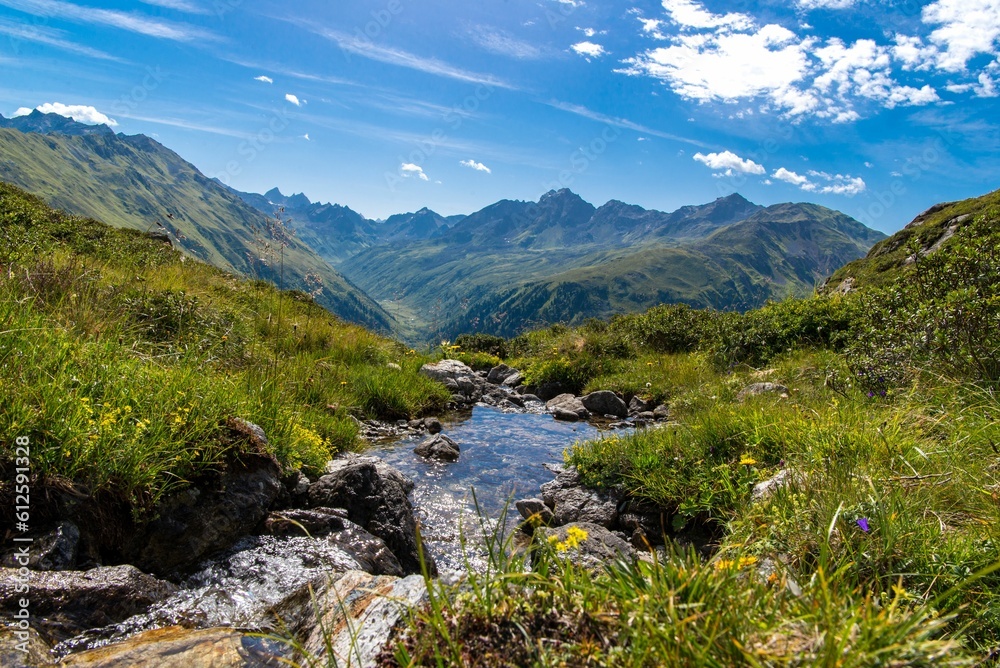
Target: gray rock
464,384
199,520
757,389
500,373
661,412
55,550
599,548
394,366
546,391
433,425
572,502
638,405
314,522
384,469
439,447
566,405
605,402
646,415
375,501
535,512
531,397
71,601
513,380
766,489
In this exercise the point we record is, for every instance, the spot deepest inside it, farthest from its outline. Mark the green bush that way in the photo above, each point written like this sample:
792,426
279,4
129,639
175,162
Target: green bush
482,343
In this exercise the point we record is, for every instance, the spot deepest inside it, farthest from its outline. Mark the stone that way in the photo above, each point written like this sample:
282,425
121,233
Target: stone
314,522
572,502
661,412
358,613
383,468
13,656
546,391
766,489
439,447
68,602
460,380
757,389
513,380
206,518
178,647
567,407
605,402
599,548
638,405
376,500
500,373
54,550
526,398
535,513
393,366
433,425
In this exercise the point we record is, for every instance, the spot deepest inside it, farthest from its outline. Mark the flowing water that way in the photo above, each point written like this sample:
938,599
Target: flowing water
504,457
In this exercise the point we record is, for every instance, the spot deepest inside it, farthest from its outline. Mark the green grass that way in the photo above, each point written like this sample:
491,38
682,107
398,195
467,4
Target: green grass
124,364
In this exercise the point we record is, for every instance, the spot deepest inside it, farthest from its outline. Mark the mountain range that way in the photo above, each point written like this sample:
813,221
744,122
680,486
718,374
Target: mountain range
510,266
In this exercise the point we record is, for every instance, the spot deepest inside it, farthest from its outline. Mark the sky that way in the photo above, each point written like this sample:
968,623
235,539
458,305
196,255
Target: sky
879,109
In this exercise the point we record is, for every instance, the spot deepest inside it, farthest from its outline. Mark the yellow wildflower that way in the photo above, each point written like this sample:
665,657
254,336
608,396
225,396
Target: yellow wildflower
747,460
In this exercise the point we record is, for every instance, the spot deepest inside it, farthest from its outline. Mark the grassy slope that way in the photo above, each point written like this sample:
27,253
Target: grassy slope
135,182
124,363
887,259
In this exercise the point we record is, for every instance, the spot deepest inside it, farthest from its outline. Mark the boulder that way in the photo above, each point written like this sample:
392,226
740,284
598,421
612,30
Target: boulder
638,405
766,489
605,402
567,407
67,602
546,391
597,548
661,412
376,500
433,425
500,373
535,514
438,447
206,518
513,380
23,648
572,502
757,389
383,468
54,550
460,380
178,647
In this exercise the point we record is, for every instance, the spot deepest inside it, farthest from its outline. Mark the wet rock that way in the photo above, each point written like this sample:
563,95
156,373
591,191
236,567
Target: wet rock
359,612
439,447
598,548
766,489
531,397
433,425
294,490
54,550
23,648
572,502
605,402
757,389
375,500
513,380
315,522
67,602
177,647
638,405
384,469
370,552
464,384
661,412
500,373
515,400
646,415
202,519
647,524
567,407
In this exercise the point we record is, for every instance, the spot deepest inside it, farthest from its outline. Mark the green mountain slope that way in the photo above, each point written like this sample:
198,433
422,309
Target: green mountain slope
927,233
135,182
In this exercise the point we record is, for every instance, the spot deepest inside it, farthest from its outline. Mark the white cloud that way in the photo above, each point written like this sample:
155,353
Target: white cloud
730,162
500,42
966,29
825,4
264,79
368,49
691,14
822,182
78,112
306,136
478,166
589,49
130,21
408,169
652,27
293,99
179,5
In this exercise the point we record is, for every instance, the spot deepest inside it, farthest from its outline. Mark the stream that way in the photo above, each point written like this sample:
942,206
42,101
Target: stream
505,456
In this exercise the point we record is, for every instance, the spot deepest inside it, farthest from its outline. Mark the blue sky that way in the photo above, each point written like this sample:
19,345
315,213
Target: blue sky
878,109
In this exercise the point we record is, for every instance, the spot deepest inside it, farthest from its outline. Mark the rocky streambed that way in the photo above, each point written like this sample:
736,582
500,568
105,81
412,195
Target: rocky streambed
253,552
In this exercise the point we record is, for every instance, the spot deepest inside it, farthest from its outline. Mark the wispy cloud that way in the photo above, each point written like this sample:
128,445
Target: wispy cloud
188,125
264,79
400,58
499,42
129,21
179,5
51,37
622,123
478,166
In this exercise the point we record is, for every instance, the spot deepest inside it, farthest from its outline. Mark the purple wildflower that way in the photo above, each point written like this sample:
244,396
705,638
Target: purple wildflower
863,523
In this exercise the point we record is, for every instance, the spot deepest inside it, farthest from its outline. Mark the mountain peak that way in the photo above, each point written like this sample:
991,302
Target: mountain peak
41,123
562,193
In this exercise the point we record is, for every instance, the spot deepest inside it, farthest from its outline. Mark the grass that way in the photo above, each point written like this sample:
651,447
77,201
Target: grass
124,364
